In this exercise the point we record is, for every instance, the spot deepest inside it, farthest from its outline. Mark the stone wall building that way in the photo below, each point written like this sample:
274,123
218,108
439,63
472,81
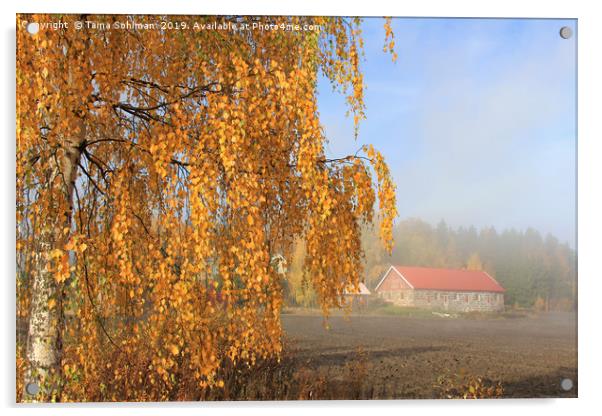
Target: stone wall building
441,289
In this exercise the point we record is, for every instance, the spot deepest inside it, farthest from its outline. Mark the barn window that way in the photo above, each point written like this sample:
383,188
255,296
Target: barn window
401,295
466,298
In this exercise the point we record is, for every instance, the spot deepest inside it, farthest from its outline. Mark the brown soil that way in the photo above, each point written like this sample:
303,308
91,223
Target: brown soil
405,357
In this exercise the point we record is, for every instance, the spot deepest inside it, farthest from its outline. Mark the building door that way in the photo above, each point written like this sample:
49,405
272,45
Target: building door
445,302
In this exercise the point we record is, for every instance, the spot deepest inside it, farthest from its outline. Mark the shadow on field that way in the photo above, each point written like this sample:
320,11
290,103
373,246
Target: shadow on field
546,385
338,356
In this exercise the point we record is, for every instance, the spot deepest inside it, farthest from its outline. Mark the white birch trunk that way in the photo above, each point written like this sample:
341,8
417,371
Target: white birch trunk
44,333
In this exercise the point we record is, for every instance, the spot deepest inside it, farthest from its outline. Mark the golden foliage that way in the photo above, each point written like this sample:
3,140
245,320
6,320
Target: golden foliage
198,158
389,39
466,386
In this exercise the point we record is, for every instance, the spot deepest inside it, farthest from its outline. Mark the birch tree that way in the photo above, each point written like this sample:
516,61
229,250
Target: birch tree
158,173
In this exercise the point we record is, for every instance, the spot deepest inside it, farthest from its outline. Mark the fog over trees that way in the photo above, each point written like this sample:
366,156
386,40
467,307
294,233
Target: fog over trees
536,270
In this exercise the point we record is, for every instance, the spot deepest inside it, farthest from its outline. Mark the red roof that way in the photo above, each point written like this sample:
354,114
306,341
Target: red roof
448,279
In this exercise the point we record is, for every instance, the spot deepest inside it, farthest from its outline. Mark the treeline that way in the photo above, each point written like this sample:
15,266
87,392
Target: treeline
536,271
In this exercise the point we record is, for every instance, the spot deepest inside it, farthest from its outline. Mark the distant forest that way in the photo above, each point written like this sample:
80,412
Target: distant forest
536,271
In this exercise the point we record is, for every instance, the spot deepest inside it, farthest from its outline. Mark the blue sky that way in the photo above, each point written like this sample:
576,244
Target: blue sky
476,120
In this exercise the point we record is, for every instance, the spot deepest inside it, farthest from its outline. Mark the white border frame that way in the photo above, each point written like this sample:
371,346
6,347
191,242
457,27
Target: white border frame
589,174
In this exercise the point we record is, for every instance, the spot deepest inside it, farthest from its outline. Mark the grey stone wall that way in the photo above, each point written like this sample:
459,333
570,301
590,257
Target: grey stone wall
446,300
